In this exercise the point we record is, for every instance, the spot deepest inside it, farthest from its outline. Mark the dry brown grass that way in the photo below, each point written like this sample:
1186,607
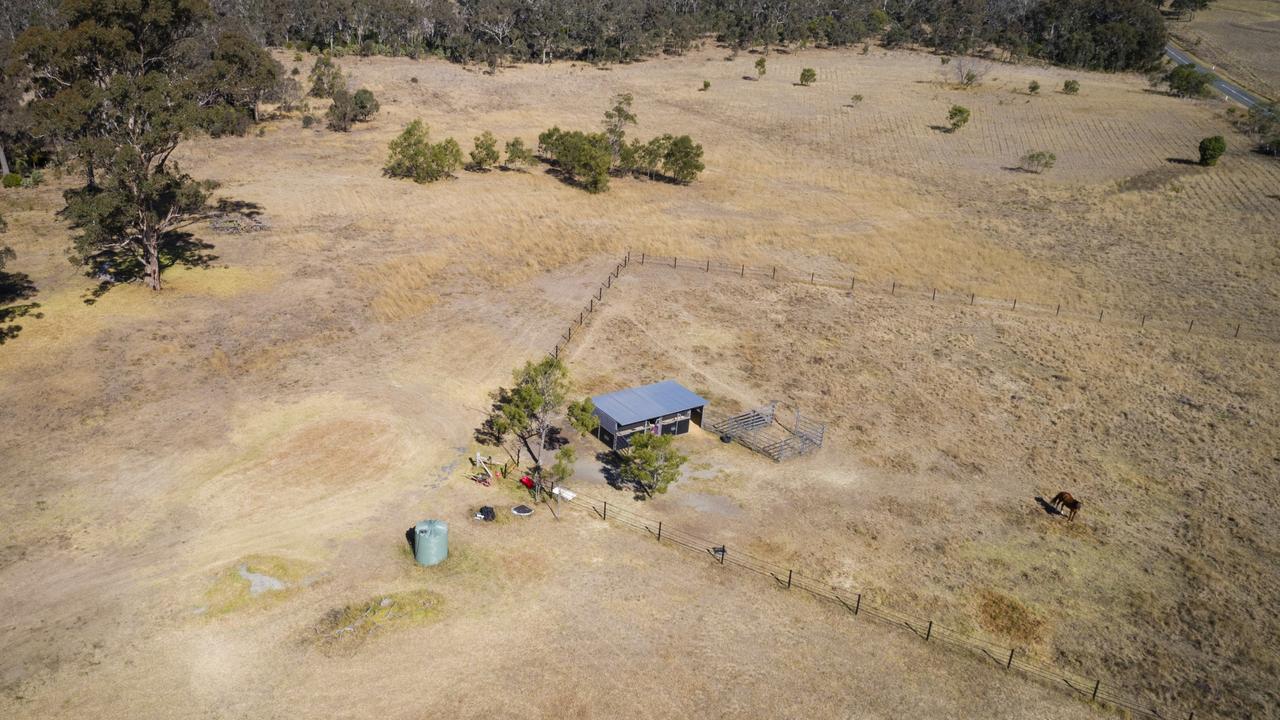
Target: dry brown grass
313,395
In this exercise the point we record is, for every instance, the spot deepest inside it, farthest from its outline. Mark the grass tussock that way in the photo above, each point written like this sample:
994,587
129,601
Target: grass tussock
1007,617
349,626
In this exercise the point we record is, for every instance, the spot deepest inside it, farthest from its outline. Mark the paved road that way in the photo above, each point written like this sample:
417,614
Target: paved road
1232,91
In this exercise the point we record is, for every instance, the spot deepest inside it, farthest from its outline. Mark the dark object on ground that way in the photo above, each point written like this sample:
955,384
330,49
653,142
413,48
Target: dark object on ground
522,510
485,513
726,439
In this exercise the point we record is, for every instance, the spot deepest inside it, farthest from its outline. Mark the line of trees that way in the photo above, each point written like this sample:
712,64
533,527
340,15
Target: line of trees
1102,34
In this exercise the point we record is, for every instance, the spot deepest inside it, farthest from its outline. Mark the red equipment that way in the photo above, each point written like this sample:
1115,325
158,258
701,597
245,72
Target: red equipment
527,482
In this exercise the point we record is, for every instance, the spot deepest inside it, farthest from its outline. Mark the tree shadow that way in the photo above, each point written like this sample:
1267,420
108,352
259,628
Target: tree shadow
1181,161
611,468
243,207
1019,169
13,288
115,268
945,129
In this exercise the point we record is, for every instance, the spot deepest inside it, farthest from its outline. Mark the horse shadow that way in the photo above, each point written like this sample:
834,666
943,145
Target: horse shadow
1048,507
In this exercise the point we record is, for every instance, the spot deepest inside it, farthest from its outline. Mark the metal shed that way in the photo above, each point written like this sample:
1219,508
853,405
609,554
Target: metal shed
664,408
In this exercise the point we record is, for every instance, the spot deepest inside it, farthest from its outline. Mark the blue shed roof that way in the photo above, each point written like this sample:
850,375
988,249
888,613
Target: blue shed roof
647,402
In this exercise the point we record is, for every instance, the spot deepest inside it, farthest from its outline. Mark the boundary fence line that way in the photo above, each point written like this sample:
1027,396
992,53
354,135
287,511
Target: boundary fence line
1006,658
1243,329
596,300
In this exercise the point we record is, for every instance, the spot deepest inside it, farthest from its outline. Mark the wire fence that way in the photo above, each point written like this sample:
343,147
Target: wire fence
998,656
1238,328
596,299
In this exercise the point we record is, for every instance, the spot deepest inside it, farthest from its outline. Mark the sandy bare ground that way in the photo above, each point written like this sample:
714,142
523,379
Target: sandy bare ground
305,400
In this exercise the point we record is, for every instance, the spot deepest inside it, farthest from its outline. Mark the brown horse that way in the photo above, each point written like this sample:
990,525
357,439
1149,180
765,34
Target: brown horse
1064,499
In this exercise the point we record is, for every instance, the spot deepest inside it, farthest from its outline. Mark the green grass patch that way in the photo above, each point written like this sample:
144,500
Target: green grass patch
231,591
348,626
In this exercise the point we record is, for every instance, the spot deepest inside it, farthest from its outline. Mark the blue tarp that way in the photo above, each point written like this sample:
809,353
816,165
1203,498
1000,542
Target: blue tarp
635,405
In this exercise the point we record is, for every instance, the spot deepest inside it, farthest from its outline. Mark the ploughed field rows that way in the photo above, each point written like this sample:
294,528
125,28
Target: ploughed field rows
1117,128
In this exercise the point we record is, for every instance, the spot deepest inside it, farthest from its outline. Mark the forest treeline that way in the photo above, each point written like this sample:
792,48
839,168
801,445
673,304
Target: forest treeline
1095,34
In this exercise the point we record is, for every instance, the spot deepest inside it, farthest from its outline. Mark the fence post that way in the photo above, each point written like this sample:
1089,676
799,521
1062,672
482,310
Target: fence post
1237,331
592,306
675,260
971,296
775,272
1191,324
1010,663
1097,684
852,282
810,278
928,633
1100,315
606,510
858,604
742,272
1015,303
641,258
788,579
1144,320
1057,310
708,267
659,531
935,295
570,337
894,289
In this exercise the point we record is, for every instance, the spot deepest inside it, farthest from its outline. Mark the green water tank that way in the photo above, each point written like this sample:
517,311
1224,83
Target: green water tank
431,542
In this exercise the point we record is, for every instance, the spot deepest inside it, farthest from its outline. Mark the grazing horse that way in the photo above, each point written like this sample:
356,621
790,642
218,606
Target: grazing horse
1064,499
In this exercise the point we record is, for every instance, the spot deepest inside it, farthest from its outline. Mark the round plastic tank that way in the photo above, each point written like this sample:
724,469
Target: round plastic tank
431,542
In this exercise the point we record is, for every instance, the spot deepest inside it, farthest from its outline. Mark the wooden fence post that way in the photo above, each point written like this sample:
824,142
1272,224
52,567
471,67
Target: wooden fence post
894,289
775,272
935,294
606,510
708,267
852,282
742,272
641,258
971,297
1057,310
675,261
788,579
1144,320
1097,684
1191,324
1237,331
810,278
928,633
858,604
1010,663
1015,303
659,531
1100,315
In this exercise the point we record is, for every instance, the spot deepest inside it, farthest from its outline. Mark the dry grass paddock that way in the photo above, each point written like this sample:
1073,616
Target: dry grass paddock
300,403
1238,37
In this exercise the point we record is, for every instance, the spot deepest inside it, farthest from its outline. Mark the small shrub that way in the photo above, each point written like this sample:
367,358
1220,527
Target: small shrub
1071,87
518,154
760,68
366,105
326,78
1038,161
1187,81
1272,146
706,85
34,179
945,59
1211,148
958,117
683,160
297,57
295,72
414,156
414,79
807,76
1033,88
485,153
308,120
855,99
12,180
